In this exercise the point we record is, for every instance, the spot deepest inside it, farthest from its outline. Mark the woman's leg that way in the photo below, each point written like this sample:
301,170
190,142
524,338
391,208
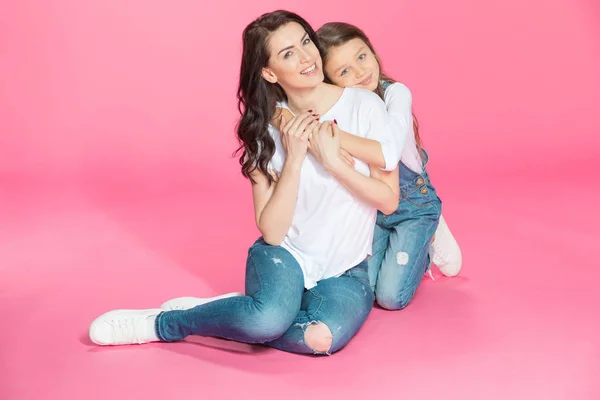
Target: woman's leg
406,260
274,288
331,314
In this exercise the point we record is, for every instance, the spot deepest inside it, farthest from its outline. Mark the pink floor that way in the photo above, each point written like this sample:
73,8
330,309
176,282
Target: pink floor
520,322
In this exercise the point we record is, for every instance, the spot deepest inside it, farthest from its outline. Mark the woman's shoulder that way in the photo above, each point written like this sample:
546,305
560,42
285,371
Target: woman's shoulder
281,111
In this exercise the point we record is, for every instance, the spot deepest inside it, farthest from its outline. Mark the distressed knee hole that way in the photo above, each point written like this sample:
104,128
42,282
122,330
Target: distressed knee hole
402,258
318,337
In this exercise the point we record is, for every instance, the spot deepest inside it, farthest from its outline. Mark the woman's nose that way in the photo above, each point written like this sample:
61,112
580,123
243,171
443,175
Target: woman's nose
304,56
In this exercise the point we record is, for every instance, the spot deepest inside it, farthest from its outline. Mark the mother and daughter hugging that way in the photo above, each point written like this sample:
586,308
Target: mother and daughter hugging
342,198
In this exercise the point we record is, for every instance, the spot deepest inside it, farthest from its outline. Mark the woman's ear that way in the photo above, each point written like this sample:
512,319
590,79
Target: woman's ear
268,75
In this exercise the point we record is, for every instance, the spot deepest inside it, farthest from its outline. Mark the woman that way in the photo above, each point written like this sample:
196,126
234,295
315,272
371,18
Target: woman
402,246
307,285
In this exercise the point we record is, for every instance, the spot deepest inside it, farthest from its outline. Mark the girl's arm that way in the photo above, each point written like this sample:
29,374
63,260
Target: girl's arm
380,191
379,151
381,128
367,150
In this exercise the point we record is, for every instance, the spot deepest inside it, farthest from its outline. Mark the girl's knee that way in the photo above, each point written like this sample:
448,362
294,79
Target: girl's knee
396,301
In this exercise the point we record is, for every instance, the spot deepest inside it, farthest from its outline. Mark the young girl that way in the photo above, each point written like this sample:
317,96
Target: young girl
402,246
307,283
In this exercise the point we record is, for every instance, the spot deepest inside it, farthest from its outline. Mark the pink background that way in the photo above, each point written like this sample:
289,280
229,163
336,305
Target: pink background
147,88
117,189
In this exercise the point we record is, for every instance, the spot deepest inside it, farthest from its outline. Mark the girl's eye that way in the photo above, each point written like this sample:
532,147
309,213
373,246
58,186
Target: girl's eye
306,41
344,72
362,57
288,54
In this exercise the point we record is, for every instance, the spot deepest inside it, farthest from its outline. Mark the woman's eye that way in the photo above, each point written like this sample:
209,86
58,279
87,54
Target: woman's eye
288,54
344,72
306,41
362,57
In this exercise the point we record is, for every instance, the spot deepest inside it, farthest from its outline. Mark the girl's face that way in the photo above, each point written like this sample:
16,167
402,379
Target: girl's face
295,62
353,64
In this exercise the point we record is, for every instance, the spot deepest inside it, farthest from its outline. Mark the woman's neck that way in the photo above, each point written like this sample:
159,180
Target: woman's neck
319,99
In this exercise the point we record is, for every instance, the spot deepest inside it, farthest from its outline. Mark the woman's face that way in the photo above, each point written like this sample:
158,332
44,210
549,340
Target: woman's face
295,62
353,64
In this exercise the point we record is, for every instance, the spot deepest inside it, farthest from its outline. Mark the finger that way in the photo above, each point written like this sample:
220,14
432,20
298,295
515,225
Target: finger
301,120
306,120
324,128
335,128
317,126
297,121
312,129
289,125
308,131
330,130
316,129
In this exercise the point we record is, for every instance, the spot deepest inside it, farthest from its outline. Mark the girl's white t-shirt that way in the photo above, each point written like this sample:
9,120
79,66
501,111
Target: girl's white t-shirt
398,102
332,230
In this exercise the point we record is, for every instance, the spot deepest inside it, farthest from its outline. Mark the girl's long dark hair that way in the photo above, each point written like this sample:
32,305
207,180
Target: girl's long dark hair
257,98
335,34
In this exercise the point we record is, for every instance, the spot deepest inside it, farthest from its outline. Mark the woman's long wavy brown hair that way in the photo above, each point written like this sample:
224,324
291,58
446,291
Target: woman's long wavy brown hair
334,34
257,98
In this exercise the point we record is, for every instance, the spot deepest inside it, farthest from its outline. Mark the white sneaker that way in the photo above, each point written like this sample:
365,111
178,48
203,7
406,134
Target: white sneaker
444,250
185,303
124,327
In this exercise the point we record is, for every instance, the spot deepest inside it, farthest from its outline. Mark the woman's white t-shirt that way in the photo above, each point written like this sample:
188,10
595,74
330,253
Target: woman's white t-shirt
332,230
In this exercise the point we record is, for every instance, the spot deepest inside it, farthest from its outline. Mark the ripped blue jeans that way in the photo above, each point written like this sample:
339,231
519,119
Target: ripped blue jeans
401,240
277,310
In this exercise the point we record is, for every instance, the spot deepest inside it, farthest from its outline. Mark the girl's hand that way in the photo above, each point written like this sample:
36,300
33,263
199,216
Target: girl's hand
324,145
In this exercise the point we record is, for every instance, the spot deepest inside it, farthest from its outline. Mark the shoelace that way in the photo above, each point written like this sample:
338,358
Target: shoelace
123,331
438,252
